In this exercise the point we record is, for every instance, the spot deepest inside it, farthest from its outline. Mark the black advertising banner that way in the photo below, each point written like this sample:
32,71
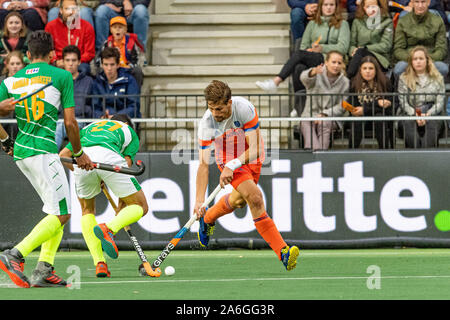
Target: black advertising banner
323,199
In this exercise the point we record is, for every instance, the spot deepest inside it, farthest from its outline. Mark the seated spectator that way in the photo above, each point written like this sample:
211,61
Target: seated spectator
371,34
326,79
70,29
301,12
368,83
327,32
118,88
135,11
34,13
82,88
131,50
14,61
14,37
420,27
422,93
86,13
405,6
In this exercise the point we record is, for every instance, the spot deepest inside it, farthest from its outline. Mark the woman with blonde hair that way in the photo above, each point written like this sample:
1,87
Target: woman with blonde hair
422,93
328,31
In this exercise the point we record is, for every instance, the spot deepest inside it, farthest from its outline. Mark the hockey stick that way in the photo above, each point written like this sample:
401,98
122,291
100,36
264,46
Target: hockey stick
172,244
33,93
114,168
151,272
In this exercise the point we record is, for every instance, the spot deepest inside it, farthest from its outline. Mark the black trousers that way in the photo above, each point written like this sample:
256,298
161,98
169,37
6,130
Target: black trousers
298,62
355,62
426,136
384,133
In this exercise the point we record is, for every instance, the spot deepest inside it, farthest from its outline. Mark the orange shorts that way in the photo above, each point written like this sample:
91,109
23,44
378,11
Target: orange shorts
245,172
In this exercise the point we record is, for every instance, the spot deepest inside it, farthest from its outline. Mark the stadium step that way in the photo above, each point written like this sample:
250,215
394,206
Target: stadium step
214,6
196,41
220,56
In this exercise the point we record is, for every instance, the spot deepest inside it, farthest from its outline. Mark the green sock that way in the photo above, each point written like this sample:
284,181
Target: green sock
49,247
94,245
125,217
43,231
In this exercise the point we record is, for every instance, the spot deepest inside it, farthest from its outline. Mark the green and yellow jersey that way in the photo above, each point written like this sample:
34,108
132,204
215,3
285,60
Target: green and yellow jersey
37,116
111,134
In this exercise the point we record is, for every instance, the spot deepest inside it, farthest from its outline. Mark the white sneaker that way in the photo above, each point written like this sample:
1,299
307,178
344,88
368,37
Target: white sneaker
267,85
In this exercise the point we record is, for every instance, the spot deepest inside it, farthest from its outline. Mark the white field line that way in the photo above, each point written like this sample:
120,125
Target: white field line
269,253
156,281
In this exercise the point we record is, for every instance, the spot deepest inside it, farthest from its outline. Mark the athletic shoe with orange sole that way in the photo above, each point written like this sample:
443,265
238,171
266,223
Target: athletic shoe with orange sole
13,266
106,237
46,277
289,257
101,270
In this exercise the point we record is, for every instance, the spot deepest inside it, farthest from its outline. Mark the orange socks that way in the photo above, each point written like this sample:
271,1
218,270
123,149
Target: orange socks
221,208
269,232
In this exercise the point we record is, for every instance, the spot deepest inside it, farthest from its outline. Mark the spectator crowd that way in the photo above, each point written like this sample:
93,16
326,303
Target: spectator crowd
104,50
382,58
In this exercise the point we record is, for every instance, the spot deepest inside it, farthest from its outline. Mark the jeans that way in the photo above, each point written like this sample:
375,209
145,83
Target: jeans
298,22
139,18
85,14
400,67
61,134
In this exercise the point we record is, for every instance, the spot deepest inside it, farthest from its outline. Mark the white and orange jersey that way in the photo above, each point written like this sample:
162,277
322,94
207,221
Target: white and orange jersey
229,135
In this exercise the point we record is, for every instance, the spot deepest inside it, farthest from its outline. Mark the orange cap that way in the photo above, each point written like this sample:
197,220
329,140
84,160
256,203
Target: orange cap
118,19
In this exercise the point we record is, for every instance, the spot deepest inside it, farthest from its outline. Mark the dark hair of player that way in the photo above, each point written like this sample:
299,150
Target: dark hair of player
40,44
122,117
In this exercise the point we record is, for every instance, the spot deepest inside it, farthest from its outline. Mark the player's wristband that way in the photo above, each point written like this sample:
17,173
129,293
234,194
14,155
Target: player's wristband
234,164
79,154
4,139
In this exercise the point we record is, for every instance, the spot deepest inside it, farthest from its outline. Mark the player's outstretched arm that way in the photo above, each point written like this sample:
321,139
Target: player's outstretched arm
6,142
73,133
6,107
202,180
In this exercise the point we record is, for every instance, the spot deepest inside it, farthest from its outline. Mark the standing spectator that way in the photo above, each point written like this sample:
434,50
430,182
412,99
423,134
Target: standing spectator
420,27
118,88
14,37
352,6
371,34
33,12
301,12
327,32
135,11
370,83
14,61
326,79
82,89
86,13
131,50
422,93
69,29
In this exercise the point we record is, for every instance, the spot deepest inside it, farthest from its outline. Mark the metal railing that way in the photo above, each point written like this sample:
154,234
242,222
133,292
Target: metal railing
169,122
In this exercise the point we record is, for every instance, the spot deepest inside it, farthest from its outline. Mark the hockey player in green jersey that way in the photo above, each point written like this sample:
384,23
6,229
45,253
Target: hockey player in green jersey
36,155
111,141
